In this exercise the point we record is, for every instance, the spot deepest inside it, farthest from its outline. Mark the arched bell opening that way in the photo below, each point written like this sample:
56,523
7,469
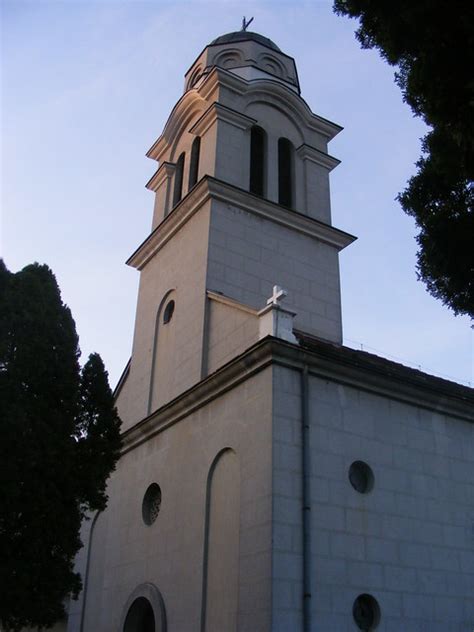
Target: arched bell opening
194,163
178,180
258,160
285,172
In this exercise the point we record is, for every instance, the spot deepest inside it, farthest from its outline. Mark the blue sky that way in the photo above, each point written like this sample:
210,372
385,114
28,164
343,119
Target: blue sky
86,88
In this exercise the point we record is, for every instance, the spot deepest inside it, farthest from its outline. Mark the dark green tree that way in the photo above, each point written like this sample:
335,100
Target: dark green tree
59,442
431,43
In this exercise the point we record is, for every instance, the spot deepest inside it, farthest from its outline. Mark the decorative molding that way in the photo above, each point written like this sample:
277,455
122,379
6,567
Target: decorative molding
166,170
220,77
190,103
231,302
326,361
228,377
211,188
279,214
170,225
306,152
217,112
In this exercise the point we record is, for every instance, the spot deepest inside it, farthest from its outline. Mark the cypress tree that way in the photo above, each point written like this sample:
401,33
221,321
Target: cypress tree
59,442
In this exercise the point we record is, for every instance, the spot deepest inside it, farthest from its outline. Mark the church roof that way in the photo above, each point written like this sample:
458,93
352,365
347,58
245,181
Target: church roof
243,36
384,366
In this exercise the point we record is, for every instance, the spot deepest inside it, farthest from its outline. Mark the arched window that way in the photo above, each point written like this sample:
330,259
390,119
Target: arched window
285,172
194,164
178,180
257,160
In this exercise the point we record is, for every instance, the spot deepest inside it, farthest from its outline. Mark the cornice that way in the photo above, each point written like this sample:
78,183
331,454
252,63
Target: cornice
196,98
165,170
279,214
218,112
171,224
219,76
307,152
378,375
211,188
329,362
190,102
228,377
231,302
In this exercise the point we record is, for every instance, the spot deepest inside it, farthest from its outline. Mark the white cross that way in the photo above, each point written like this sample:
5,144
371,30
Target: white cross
278,295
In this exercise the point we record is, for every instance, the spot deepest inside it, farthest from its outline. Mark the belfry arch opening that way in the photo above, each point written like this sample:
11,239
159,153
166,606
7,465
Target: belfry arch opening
140,617
178,180
285,172
258,143
194,163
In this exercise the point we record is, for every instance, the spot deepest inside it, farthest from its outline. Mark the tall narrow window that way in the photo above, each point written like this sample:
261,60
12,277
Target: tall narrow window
194,164
178,180
257,160
285,172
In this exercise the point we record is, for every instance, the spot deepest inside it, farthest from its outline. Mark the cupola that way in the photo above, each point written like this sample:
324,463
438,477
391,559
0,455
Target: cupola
248,55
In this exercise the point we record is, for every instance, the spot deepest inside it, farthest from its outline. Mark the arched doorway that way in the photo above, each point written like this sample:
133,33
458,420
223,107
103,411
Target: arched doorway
140,617
144,611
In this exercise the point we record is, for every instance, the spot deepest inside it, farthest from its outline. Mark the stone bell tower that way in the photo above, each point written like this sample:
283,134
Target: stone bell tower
241,204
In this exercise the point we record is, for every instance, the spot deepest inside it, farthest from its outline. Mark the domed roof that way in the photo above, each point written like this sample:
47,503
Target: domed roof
242,36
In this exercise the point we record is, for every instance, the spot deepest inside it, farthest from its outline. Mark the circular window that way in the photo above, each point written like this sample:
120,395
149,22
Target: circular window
151,504
366,612
168,313
361,477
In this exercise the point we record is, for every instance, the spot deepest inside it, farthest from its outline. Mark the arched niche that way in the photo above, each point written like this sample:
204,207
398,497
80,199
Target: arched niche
194,78
229,58
93,580
163,351
271,64
144,611
221,545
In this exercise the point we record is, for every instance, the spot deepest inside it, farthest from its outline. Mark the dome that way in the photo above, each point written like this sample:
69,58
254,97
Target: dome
242,36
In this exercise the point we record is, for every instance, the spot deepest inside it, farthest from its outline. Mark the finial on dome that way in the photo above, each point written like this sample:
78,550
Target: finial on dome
246,24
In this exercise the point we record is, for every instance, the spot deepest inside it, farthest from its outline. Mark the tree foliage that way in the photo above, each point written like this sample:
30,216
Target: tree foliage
59,441
431,42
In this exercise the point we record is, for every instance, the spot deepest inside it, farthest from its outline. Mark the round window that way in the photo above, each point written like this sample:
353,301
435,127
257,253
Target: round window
168,313
151,504
366,612
361,477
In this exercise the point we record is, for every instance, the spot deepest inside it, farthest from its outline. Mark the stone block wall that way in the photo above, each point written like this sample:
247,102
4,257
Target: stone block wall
249,255
408,542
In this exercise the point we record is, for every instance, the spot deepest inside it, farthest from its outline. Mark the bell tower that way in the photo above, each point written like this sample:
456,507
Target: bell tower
241,204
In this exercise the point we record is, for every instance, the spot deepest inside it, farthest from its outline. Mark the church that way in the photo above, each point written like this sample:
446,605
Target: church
272,479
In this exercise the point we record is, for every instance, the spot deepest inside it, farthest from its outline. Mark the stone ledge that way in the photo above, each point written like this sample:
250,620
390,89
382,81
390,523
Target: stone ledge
209,188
